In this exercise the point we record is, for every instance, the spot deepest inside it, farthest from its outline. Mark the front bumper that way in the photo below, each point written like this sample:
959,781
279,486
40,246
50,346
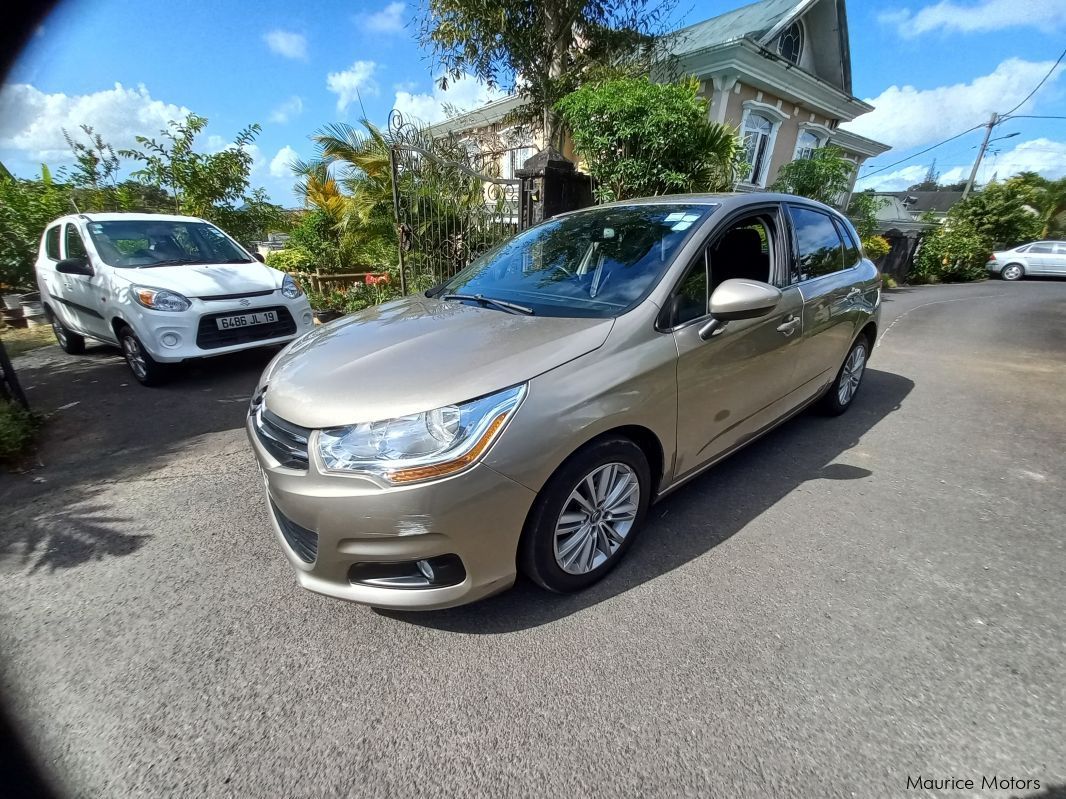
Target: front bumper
173,337
476,515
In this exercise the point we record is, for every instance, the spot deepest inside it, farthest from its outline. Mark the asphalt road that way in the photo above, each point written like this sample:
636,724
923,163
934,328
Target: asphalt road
846,604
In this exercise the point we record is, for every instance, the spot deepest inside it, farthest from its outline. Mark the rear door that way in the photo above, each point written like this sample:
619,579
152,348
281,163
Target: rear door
1041,258
1058,259
50,282
824,272
738,381
84,296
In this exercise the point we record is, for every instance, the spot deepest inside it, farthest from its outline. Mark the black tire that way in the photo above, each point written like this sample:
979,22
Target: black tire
537,550
1012,272
836,400
68,340
146,369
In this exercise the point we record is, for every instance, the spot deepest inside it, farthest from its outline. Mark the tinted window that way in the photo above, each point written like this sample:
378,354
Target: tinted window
595,263
820,251
692,293
851,247
74,245
1043,246
51,243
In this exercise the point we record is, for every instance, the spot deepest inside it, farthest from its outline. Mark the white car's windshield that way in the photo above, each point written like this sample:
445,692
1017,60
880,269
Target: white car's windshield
596,263
149,243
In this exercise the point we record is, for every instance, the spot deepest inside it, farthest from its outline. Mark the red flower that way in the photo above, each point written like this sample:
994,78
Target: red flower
372,280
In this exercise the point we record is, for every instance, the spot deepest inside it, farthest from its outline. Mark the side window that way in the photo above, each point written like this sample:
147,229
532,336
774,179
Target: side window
819,248
51,243
745,250
692,302
1060,248
75,247
852,254
1041,247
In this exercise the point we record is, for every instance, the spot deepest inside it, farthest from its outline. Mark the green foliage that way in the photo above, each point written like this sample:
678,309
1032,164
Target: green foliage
862,211
18,429
824,176
1001,213
640,138
876,247
1048,197
543,49
953,253
355,297
291,259
26,207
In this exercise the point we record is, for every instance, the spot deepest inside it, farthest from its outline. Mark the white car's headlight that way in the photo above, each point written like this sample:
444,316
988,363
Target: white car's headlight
159,299
290,288
420,446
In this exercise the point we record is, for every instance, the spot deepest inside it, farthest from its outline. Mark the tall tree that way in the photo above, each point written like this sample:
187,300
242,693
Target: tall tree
543,49
824,176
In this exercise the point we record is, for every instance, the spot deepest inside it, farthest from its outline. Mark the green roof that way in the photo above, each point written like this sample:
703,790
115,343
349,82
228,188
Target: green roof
752,21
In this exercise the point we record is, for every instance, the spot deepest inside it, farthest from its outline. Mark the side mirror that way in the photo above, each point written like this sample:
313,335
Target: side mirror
739,299
75,266
259,257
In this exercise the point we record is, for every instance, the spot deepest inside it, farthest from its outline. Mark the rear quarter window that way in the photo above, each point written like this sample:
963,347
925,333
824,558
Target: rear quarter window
51,243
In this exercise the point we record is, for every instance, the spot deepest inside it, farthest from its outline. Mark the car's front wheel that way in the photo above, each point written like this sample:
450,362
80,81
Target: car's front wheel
842,393
68,340
145,368
1012,272
586,516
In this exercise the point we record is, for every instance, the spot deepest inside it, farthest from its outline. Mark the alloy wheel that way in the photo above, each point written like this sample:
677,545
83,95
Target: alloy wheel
131,348
596,518
1012,272
851,374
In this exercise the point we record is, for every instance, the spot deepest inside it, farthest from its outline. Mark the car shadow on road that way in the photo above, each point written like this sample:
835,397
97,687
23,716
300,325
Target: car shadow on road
699,516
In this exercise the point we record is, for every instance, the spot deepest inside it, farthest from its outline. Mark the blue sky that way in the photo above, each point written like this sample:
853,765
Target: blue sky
931,67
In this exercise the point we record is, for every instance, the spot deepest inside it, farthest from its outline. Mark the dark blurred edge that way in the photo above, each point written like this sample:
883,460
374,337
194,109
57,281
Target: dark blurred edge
19,773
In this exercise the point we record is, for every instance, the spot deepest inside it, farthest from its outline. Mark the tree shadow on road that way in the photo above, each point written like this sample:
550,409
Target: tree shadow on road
701,515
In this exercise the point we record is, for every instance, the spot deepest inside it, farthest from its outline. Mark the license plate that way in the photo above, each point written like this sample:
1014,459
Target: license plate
246,320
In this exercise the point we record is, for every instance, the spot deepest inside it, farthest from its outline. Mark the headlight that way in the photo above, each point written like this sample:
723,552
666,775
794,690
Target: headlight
420,446
160,299
290,288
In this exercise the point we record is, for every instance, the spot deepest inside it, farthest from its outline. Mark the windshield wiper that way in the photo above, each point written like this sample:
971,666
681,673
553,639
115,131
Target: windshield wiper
169,262
510,307
235,261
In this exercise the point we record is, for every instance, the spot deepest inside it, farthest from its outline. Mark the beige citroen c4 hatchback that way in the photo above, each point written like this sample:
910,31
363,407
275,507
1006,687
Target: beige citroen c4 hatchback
523,415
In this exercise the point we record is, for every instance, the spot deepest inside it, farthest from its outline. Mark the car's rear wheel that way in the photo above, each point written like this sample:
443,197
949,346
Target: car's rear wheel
586,516
68,340
145,368
843,390
1012,272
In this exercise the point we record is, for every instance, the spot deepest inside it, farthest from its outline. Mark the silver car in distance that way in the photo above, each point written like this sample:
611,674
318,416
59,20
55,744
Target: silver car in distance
523,415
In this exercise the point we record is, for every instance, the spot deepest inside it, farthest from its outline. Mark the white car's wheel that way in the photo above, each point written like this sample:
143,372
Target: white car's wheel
145,368
1012,272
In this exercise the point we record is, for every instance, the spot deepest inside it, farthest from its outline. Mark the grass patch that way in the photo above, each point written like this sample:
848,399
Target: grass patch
18,430
18,340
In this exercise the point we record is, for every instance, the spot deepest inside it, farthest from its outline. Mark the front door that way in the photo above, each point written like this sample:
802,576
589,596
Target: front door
84,296
735,383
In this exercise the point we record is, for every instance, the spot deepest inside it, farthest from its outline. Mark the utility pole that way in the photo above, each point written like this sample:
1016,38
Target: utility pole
980,154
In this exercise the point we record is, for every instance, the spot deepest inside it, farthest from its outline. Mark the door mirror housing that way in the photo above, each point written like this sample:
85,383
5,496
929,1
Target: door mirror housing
739,298
259,257
75,266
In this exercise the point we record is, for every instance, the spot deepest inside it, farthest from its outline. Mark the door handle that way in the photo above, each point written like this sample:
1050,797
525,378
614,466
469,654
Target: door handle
788,327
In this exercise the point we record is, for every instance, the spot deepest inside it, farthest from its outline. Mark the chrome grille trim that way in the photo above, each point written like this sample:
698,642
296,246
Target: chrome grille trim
286,442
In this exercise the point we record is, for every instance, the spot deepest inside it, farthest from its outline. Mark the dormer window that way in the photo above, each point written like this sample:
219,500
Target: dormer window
790,43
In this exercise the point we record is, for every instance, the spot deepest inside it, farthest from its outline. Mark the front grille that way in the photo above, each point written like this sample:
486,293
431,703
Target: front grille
286,442
215,297
209,337
302,541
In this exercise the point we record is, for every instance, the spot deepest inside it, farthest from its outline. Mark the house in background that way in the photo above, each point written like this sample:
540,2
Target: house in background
918,203
777,70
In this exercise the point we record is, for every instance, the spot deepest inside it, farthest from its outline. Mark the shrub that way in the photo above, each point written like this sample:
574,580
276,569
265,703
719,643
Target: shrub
823,176
953,253
876,247
18,429
291,259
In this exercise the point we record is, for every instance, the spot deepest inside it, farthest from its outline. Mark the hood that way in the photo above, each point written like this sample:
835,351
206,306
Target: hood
414,355
206,280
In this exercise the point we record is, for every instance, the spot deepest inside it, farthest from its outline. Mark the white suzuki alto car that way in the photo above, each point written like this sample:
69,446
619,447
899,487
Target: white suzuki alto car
164,288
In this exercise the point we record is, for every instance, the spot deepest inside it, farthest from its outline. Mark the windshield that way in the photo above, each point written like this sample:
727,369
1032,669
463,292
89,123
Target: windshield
597,263
149,242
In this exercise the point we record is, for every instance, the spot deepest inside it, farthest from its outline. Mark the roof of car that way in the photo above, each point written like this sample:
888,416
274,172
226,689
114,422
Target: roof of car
729,200
115,217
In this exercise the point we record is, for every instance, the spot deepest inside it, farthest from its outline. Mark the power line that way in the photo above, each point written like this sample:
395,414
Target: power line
1034,116
923,152
1037,88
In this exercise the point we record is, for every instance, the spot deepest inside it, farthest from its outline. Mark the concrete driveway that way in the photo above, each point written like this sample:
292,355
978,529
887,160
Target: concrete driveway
847,604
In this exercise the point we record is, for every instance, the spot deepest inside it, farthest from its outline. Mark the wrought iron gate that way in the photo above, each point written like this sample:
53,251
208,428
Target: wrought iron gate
451,204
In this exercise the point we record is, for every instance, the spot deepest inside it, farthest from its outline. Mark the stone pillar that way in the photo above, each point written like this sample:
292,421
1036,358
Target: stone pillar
551,185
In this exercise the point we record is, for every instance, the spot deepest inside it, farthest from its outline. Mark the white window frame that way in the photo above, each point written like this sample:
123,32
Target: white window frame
803,41
775,116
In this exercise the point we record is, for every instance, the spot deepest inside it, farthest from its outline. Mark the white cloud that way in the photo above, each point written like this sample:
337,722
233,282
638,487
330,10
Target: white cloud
465,94
984,15
347,85
32,122
287,44
388,20
279,164
292,107
905,116
1044,156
